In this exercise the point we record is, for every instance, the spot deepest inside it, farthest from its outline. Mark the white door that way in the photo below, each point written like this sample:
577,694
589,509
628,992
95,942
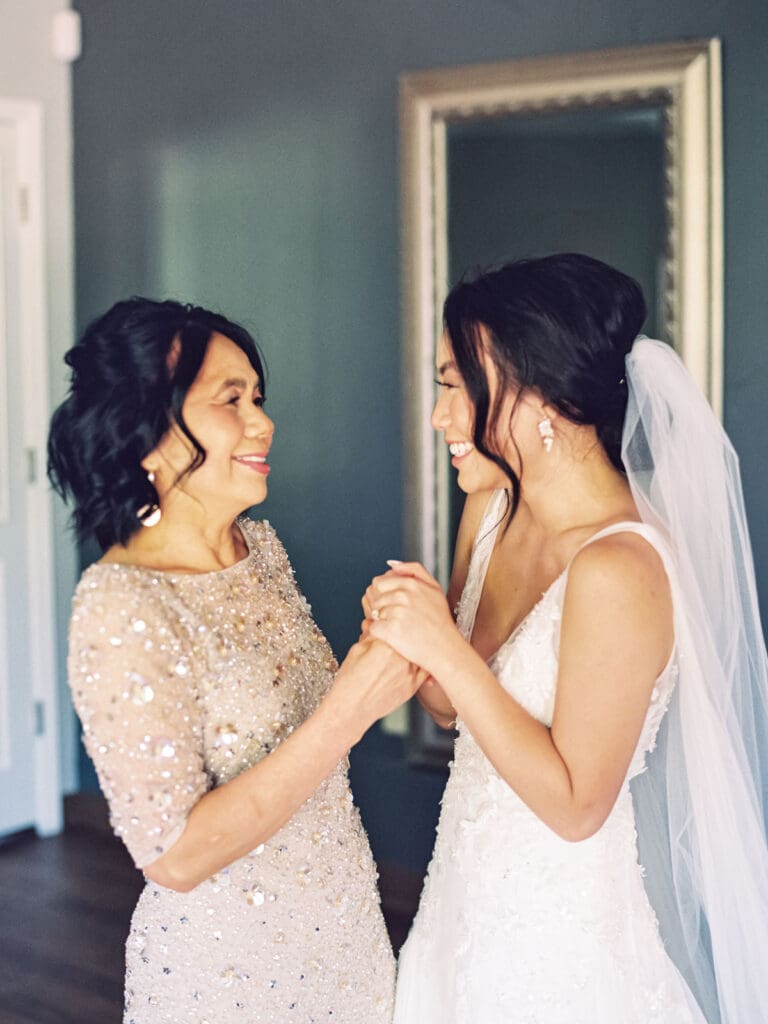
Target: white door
29,770
17,806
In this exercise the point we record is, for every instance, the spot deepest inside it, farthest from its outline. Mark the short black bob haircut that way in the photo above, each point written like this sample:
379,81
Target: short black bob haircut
561,324
124,395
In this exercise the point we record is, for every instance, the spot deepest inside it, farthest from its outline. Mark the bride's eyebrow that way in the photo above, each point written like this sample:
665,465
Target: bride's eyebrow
444,367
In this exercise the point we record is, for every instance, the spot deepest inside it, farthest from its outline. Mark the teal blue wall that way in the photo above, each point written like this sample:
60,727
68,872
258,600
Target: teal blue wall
244,155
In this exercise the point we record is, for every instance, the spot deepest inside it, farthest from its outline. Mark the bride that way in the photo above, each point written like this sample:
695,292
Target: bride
601,854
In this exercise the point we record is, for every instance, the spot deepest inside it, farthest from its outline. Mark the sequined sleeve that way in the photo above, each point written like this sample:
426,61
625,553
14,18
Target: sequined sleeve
133,687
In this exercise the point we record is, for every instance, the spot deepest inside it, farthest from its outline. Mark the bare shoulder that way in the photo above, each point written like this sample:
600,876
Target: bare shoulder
620,558
618,605
621,577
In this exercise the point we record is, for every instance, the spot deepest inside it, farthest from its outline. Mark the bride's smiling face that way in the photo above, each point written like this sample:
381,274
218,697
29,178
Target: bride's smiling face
516,432
454,416
223,410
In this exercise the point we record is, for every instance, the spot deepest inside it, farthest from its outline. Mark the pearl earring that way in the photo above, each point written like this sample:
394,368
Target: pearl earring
547,433
149,515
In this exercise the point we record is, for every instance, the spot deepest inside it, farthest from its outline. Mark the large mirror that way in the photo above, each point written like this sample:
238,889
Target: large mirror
615,153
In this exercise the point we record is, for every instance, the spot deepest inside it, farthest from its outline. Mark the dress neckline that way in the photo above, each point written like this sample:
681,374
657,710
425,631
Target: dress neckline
482,550
181,574
517,629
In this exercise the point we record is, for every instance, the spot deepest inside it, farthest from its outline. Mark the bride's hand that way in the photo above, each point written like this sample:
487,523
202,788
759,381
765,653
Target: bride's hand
406,608
423,678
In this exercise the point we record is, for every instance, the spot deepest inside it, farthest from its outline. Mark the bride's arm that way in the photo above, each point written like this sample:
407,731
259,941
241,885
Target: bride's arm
431,695
616,636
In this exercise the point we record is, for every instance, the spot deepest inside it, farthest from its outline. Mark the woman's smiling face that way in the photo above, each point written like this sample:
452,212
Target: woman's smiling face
516,437
454,416
223,410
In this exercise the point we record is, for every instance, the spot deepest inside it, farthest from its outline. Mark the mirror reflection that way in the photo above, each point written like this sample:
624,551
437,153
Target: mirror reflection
616,154
582,180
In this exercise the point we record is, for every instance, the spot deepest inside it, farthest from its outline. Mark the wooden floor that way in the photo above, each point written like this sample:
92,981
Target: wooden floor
65,905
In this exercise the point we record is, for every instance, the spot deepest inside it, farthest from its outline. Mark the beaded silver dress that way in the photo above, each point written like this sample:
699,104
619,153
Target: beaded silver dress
515,924
181,682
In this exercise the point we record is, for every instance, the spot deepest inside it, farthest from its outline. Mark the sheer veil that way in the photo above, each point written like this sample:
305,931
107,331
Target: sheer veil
701,804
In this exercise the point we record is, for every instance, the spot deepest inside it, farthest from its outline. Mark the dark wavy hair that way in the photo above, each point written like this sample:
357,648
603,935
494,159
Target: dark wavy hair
126,390
561,324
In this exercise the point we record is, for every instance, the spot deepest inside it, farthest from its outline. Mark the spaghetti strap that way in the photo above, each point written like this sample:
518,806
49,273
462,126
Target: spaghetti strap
652,534
482,549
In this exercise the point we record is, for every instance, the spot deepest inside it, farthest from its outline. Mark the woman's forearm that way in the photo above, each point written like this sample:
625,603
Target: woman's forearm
435,702
234,818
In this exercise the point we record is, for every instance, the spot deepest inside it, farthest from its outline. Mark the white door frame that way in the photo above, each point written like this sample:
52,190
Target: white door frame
27,117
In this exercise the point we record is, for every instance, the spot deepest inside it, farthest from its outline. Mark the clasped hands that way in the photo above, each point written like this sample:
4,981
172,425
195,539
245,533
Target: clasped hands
407,621
406,609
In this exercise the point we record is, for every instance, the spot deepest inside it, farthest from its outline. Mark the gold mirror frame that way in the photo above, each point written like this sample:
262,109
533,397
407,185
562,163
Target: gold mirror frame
680,79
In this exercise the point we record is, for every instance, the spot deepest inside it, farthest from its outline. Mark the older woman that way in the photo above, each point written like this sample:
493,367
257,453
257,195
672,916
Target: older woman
211,703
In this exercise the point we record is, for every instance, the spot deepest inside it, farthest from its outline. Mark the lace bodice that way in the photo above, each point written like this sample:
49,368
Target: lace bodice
526,663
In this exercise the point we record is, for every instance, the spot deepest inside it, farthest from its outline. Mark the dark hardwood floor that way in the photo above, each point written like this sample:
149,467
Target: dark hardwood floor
65,906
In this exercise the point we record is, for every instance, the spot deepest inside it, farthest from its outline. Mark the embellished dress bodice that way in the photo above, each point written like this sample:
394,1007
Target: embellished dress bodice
517,925
182,681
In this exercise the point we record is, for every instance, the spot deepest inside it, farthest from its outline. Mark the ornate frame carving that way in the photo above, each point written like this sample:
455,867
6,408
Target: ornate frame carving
683,80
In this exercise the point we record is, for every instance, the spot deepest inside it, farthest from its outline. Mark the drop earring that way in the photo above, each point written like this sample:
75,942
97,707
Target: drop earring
149,515
547,433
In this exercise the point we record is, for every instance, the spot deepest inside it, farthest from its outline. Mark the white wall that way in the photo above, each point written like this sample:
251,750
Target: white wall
28,70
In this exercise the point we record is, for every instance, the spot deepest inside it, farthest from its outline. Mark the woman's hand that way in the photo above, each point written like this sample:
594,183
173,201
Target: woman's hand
373,681
427,682
406,608
232,819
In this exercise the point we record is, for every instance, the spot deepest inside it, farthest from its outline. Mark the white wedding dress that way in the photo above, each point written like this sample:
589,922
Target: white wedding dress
519,926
